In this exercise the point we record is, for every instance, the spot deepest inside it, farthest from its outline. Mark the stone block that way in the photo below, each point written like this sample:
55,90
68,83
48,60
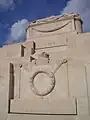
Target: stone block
42,61
10,51
29,48
54,25
63,107
42,117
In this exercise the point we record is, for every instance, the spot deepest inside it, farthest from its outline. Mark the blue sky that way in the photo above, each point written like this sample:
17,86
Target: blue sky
26,9
16,14
31,10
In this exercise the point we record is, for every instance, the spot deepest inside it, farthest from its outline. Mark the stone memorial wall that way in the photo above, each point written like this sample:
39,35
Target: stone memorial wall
47,76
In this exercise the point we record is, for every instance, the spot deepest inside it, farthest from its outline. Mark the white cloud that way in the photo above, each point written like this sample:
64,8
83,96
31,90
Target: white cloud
17,32
83,8
8,4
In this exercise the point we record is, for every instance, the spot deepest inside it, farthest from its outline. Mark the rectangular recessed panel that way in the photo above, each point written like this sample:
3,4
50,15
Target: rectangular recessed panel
50,41
44,106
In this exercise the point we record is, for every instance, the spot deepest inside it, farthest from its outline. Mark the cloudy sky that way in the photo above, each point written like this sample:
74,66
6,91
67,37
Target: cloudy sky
16,14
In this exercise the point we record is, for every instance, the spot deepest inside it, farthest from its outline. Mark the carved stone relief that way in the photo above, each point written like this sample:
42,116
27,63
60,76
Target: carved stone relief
42,84
50,29
48,89
50,74
53,29
41,57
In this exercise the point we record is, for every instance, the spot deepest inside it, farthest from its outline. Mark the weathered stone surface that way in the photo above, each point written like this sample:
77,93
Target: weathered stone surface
65,106
47,76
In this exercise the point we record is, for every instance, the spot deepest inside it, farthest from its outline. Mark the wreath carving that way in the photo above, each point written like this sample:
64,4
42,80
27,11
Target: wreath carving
52,80
49,89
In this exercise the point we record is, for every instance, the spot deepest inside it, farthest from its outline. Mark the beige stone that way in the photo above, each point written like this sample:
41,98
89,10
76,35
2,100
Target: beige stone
47,76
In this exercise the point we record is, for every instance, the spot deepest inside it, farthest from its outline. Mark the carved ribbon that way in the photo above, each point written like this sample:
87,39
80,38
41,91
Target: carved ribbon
62,62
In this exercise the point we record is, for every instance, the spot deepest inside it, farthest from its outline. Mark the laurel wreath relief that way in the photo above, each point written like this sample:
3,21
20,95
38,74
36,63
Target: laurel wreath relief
51,75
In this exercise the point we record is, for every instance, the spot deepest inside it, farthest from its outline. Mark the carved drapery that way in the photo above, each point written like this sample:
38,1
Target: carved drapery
53,29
